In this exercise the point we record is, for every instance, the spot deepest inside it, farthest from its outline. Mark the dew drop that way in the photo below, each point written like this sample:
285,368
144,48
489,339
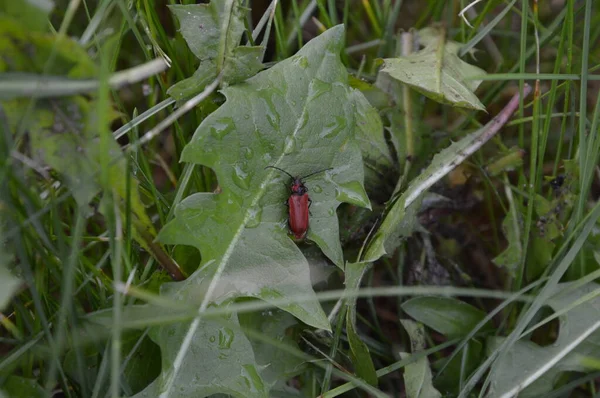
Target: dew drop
290,145
248,153
212,339
303,62
241,177
318,88
221,127
333,129
317,189
254,217
225,338
331,211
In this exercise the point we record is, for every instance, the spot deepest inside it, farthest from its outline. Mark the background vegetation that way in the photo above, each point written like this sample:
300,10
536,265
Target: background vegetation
453,248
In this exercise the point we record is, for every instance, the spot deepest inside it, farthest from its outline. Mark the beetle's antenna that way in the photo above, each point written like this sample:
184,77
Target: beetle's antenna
316,172
277,168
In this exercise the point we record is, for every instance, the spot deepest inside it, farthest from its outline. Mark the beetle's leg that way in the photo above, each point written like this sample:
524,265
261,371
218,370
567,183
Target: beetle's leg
309,204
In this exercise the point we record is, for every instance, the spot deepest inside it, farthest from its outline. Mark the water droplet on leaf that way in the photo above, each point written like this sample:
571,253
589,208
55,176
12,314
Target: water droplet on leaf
248,153
318,88
303,62
225,338
254,217
290,145
333,129
240,177
221,127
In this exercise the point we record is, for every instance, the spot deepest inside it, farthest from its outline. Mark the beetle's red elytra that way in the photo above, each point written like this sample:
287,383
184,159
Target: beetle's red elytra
298,203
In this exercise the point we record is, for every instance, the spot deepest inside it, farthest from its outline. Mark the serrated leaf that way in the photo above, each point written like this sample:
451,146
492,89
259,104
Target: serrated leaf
527,364
401,215
511,257
219,359
448,316
417,375
437,72
301,116
213,32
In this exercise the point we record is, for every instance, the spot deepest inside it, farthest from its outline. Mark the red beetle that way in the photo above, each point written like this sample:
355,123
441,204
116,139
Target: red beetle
298,203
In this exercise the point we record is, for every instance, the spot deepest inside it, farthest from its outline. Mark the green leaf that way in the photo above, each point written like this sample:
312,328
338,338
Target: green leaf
417,375
512,226
399,223
301,116
32,13
448,316
528,365
401,215
459,368
219,359
437,72
21,387
539,257
361,358
370,134
213,32
274,325
24,50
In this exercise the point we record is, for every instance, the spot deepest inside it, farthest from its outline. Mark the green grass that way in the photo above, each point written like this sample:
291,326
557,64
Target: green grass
97,232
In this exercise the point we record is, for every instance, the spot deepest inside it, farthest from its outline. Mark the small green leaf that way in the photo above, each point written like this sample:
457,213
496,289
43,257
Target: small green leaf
213,32
511,257
417,375
459,368
437,72
539,257
398,224
361,358
507,161
448,316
